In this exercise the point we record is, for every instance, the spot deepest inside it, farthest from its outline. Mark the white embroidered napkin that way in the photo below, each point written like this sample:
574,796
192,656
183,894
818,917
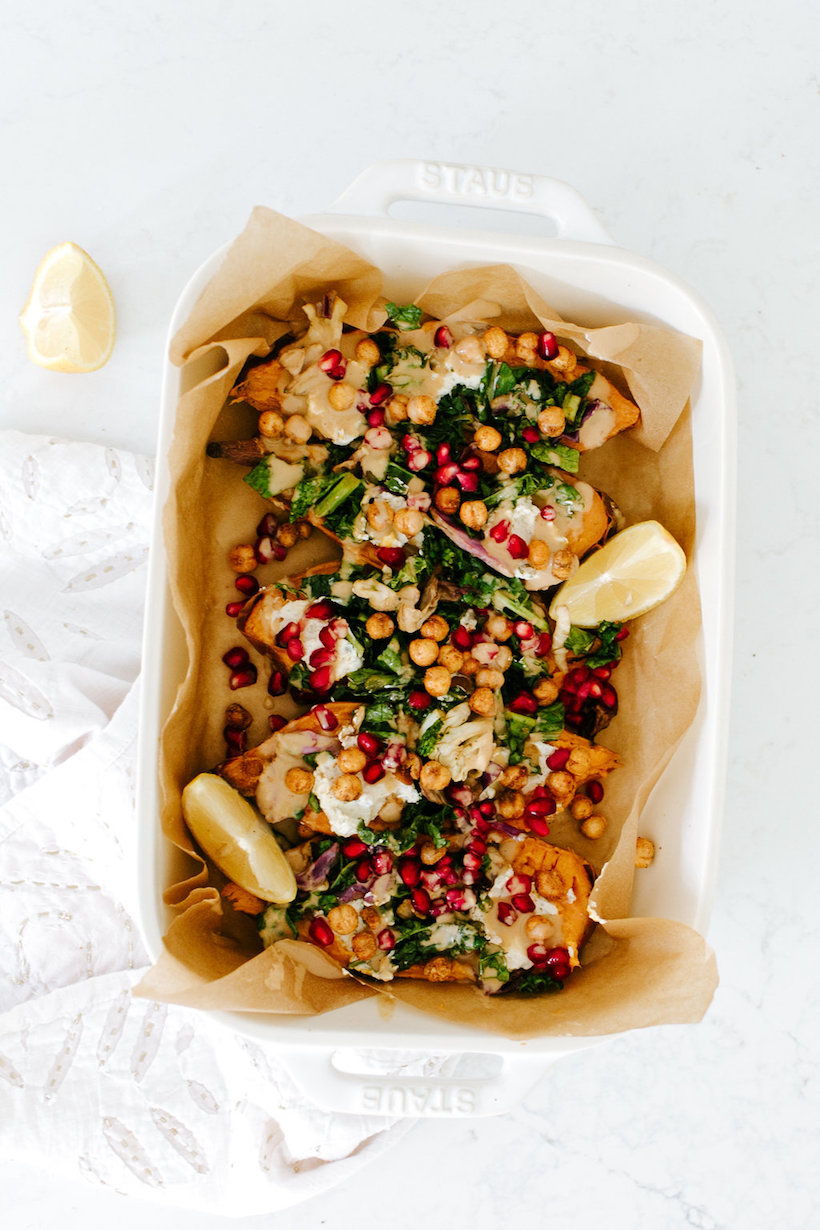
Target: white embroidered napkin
153,1100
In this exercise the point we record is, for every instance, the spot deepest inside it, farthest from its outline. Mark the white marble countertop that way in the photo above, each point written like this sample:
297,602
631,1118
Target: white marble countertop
146,133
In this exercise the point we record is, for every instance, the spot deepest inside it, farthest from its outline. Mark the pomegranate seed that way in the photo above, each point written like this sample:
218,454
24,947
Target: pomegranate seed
540,807
519,884
474,814
353,848
320,610
467,481
295,649
602,672
540,792
378,438
237,740
364,870
506,914
537,953
486,808
548,512
243,678
369,744
327,639
609,697
460,794
521,628
430,878
445,474
531,434
382,862
443,453
500,531
276,722
517,548
409,871
558,956
594,690
472,861
267,527
339,628
265,549
544,645
418,460
577,676
443,337
320,932
326,719
547,346
469,877
420,500
538,825
391,557
321,657
471,463
375,418
331,360
462,638
411,444
557,759
595,791
277,684
559,972
419,700
421,900
246,584
235,657
279,552
373,772
289,631
523,902
622,635
524,703
320,680
233,609
381,393
386,939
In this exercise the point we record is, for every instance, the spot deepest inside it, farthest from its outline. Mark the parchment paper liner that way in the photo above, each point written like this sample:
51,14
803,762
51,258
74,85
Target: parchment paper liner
637,971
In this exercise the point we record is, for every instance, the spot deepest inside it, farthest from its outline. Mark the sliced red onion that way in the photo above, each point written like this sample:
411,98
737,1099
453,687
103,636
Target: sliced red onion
508,830
394,755
381,887
352,894
316,873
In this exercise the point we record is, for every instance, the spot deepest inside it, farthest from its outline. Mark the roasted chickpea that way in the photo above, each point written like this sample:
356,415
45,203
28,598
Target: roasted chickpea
470,666
565,361
237,717
581,808
367,352
364,945
372,918
346,788
487,439
482,702
287,535
503,659
510,804
470,350
405,908
409,521
538,928
594,827
512,460
644,852
270,424
352,760
343,919
495,342
489,677
525,346
561,784
546,691
447,500
549,884
412,764
437,680
474,514
551,421
379,516
430,853
578,761
395,410
341,396
434,776
298,429
423,652
242,558
421,410
379,626
514,776
563,563
451,658
539,553
436,627
299,781
438,969
499,627
304,528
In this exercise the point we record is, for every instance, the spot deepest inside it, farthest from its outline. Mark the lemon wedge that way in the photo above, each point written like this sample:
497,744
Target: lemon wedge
69,319
237,839
632,573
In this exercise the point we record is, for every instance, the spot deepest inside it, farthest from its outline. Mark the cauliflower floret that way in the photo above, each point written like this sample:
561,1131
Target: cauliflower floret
465,743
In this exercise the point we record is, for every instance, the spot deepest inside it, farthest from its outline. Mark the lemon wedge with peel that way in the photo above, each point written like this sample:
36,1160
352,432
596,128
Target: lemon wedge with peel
237,839
632,573
69,319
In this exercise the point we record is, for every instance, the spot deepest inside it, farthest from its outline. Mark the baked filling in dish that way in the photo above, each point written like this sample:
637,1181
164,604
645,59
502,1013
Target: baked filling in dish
451,706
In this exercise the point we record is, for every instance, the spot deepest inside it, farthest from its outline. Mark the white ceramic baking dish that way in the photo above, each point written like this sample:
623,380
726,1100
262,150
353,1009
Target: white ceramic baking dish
587,278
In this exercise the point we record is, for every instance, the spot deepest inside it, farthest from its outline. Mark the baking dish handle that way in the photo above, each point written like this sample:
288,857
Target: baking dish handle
341,1081
450,183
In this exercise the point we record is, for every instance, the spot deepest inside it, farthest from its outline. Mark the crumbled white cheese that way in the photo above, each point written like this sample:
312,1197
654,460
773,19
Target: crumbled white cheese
345,817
